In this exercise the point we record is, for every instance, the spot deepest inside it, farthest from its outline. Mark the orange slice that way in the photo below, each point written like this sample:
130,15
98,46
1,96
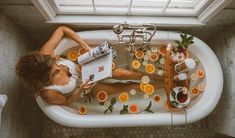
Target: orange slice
149,89
82,50
153,56
157,98
73,55
82,110
200,73
113,66
150,68
142,86
123,97
139,54
133,108
135,64
162,50
102,96
195,91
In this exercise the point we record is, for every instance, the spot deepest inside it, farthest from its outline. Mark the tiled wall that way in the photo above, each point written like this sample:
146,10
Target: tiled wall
222,120
21,117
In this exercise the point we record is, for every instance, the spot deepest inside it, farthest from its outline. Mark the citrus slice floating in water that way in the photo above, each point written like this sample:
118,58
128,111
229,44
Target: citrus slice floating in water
200,73
142,86
135,64
73,55
162,61
113,66
154,57
102,96
149,89
194,91
82,110
201,87
194,76
132,91
157,98
160,72
139,54
123,97
145,79
82,50
133,108
154,49
150,68
162,50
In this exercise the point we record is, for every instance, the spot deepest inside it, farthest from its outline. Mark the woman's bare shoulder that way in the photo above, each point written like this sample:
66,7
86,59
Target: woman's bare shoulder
53,97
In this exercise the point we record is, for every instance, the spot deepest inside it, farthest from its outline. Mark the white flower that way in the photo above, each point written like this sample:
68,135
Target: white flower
132,91
162,61
177,57
146,57
160,72
146,96
145,63
148,52
145,79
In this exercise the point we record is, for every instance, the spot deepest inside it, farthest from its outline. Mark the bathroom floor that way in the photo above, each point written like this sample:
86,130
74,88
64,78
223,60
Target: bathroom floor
195,130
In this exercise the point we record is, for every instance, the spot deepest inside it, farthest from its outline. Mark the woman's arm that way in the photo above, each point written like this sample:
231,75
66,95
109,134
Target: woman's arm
49,47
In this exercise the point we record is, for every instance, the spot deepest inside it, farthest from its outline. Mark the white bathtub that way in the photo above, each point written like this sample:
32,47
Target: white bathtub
199,110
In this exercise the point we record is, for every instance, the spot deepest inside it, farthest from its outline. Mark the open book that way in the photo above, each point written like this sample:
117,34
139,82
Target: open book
96,64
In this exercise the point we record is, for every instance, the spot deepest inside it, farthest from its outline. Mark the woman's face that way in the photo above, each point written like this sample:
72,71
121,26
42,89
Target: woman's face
59,74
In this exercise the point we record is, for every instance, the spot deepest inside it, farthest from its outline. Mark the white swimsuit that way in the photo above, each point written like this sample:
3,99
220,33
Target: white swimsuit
65,89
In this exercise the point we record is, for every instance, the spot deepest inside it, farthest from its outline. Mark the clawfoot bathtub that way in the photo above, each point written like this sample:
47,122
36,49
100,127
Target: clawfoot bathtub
200,109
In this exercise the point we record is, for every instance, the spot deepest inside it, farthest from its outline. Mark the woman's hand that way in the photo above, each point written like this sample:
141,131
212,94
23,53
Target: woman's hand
86,86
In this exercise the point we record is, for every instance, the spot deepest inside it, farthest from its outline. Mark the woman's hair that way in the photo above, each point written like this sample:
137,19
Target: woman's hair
34,69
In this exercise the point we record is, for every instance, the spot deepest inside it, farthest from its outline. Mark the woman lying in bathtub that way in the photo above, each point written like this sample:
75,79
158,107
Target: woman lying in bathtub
55,79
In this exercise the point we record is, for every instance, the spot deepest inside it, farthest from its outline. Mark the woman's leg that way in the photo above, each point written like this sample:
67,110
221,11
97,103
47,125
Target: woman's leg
112,88
123,74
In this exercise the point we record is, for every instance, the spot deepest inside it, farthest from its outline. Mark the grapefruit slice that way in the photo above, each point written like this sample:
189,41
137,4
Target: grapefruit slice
195,91
73,55
82,110
142,86
157,98
123,97
149,89
153,56
102,96
200,73
133,108
162,50
135,64
150,68
139,54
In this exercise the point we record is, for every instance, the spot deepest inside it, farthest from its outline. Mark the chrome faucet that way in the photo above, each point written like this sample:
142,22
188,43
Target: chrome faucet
138,31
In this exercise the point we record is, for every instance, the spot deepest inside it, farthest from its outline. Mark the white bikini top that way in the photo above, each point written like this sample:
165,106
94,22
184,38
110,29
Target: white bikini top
65,89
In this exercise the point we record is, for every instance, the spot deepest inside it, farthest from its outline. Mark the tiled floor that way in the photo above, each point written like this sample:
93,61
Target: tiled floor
195,130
